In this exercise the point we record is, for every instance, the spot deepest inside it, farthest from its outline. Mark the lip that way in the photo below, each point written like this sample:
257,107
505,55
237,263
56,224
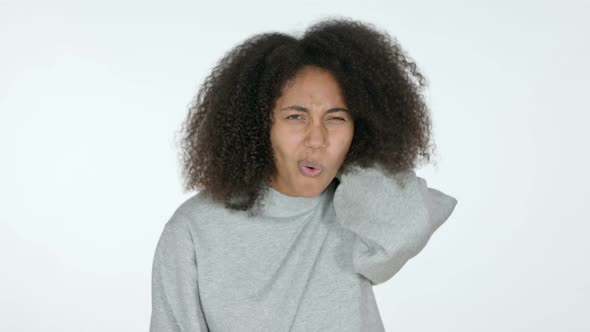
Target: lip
308,172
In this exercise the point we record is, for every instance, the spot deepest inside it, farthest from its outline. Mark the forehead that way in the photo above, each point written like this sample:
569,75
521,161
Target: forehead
312,85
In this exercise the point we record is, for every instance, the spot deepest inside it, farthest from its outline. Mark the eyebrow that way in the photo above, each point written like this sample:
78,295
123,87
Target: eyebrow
304,109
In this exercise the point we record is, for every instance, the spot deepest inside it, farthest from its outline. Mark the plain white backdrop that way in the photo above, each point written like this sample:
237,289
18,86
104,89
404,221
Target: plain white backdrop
92,95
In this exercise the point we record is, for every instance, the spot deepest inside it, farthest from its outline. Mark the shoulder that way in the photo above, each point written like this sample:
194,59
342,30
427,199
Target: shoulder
196,210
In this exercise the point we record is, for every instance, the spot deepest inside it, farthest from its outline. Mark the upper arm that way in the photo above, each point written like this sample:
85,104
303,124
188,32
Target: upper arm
176,304
391,223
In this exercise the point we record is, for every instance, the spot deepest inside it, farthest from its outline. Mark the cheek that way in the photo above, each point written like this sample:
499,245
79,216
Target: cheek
344,139
342,147
284,145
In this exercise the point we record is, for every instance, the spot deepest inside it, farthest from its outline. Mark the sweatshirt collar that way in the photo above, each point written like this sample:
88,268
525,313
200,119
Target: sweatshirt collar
282,205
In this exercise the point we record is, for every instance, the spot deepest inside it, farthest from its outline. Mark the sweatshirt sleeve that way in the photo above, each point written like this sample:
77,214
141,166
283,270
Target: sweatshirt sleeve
176,304
392,217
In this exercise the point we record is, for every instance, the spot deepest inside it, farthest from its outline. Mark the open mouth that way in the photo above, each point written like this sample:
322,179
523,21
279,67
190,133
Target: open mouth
309,168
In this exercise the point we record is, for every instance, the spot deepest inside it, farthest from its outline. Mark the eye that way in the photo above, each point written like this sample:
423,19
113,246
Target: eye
290,116
335,118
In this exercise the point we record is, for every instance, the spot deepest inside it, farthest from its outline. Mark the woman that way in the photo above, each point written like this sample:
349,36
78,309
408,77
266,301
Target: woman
303,151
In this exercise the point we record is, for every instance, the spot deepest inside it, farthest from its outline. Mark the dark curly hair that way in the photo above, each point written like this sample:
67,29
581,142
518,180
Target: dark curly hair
226,147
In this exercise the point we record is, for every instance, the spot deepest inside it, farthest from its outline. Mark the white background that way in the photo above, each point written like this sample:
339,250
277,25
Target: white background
93,93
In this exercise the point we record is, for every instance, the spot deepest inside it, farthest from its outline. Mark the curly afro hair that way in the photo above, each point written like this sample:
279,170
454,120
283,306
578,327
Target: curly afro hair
225,146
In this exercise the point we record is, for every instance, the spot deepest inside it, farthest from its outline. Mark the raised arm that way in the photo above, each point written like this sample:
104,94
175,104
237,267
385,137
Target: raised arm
176,306
392,222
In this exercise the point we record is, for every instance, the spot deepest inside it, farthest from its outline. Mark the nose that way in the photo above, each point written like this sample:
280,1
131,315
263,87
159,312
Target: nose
316,137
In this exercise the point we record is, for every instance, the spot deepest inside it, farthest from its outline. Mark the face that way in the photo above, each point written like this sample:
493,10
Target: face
310,124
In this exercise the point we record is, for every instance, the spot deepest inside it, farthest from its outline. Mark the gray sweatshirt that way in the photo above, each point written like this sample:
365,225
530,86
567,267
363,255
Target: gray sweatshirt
302,264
